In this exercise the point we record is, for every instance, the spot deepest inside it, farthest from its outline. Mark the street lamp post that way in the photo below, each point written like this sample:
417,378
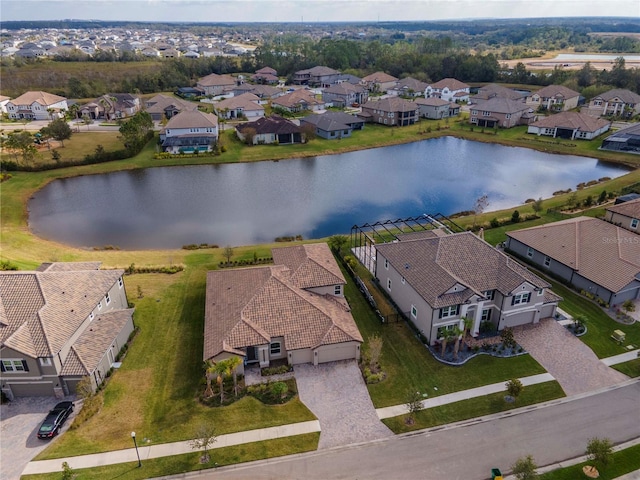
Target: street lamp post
133,435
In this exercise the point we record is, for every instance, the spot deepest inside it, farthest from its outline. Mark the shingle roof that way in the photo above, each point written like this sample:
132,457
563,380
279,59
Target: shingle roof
246,101
572,120
628,209
433,266
43,98
391,104
68,266
297,97
379,77
213,80
627,96
160,102
494,90
273,124
557,91
332,121
247,307
318,71
192,119
411,84
597,250
432,102
344,88
501,105
451,83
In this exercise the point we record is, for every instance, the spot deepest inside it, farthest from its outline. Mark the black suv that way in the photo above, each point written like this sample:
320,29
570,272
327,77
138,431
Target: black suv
55,419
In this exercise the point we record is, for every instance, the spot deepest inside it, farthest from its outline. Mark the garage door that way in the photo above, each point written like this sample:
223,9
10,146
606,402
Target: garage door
332,353
519,319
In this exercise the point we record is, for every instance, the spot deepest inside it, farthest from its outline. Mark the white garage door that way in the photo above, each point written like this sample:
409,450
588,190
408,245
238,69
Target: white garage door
332,353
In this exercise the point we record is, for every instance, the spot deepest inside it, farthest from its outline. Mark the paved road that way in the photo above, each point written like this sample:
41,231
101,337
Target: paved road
551,433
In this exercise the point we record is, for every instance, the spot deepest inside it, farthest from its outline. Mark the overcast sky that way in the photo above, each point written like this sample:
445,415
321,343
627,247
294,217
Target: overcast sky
308,10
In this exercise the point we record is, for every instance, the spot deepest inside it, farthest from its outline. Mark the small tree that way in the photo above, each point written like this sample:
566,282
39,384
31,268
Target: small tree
336,242
84,388
279,390
514,388
205,437
55,156
228,253
600,450
537,205
515,216
375,351
508,340
629,306
249,135
414,405
59,130
525,468
602,197
67,471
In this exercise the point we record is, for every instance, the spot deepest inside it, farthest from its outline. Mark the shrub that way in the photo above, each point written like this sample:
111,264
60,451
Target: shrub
514,387
267,371
525,468
600,450
494,223
515,216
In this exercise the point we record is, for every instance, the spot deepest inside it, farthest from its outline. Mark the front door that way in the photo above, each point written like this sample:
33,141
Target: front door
252,355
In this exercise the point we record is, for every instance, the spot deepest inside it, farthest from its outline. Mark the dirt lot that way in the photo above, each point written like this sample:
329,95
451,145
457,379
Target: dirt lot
549,62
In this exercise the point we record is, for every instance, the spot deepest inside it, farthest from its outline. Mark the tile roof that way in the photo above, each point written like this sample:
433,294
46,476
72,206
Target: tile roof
379,77
411,84
43,98
297,97
451,83
432,102
311,265
433,266
192,119
68,266
246,101
318,71
160,102
572,120
43,310
493,90
213,80
595,249
249,306
501,105
557,91
628,209
627,96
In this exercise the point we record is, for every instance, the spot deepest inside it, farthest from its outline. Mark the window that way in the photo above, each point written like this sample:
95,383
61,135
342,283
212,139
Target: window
474,112
486,114
441,330
14,366
100,305
91,316
520,298
529,252
275,348
547,261
414,311
107,299
45,361
403,280
389,284
120,283
337,290
634,223
450,311
486,315
386,264
489,294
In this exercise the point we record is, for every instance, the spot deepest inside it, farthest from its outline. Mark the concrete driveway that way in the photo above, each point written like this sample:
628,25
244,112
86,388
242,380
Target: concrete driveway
19,423
571,362
336,393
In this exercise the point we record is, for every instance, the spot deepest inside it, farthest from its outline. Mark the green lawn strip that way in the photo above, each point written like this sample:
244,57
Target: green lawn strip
623,462
475,407
189,462
630,369
410,367
155,391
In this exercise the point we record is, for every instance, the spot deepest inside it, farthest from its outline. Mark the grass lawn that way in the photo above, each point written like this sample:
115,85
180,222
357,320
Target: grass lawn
630,369
624,461
475,407
155,391
159,467
410,367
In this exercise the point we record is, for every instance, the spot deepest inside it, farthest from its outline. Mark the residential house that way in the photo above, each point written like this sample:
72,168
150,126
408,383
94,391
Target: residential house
189,92
390,111
263,92
265,75
37,106
319,76
437,108
292,311
215,85
408,87
617,102
624,140
3,103
500,112
267,130
493,90
163,107
554,98
438,280
58,324
625,215
570,125
588,253
189,132
448,89
345,94
379,82
112,106
298,101
246,106
333,125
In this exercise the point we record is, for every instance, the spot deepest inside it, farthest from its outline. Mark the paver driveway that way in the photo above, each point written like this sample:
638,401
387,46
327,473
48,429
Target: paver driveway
19,423
335,392
564,356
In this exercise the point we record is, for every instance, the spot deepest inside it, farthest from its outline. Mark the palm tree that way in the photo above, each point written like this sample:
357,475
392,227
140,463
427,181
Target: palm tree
209,373
458,333
234,363
446,336
466,327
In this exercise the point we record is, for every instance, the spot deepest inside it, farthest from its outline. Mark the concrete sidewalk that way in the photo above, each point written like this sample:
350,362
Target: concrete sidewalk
170,449
396,410
623,357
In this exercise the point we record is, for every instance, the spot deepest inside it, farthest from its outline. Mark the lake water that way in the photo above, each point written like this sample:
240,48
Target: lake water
250,203
595,57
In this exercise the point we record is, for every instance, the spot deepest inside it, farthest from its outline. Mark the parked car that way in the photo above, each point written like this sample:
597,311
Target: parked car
55,419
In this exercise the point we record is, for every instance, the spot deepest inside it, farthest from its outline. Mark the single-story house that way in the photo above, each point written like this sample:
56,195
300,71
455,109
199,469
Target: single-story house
332,125
624,140
58,324
246,105
554,98
319,76
111,106
449,89
390,111
436,108
437,280
214,84
345,94
37,106
591,254
273,129
493,90
570,125
408,87
263,92
501,112
625,215
298,101
294,310
161,107
615,102
379,82
190,131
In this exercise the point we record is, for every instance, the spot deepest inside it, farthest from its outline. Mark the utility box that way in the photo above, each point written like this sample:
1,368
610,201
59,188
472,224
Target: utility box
496,474
619,336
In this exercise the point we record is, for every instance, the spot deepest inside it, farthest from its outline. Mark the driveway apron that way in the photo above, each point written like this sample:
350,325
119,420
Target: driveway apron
336,393
571,362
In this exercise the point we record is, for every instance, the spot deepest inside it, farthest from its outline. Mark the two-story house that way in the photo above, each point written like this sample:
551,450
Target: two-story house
37,106
437,280
215,85
378,82
554,98
625,215
58,324
164,107
298,101
449,89
570,125
435,108
319,76
408,87
190,131
112,106
616,102
265,75
392,111
294,311
500,112
246,105
345,94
